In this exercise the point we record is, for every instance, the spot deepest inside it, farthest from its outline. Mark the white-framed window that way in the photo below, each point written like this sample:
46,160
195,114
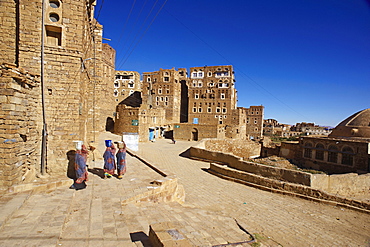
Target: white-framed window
196,96
148,79
161,99
222,96
157,98
166,98
211,84
159,90
200,84
199,109
115,92
209,73
166,78
194,109
194,74
116,84
200,74
218,110
223,110
131,85
209,109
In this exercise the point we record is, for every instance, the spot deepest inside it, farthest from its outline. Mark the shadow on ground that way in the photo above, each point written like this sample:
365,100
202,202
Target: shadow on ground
97,171
140,237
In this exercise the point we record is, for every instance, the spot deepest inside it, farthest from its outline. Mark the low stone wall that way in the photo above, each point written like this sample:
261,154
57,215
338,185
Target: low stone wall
343,184
241,148
286,188
199,152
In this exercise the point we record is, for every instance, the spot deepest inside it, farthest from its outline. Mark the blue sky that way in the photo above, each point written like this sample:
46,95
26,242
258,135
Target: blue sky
305,60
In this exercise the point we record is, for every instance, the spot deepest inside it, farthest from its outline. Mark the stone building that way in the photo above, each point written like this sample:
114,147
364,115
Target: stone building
212,95
147,123
126,83
345,150
162,90
56,79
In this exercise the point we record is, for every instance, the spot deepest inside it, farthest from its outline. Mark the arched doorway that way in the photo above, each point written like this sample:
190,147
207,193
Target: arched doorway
109,125
194,134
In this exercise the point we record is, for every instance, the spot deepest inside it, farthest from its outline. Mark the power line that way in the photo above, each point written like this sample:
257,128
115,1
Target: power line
227,60
144,32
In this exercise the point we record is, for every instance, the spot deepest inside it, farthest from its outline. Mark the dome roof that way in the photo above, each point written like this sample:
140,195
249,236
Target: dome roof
357,125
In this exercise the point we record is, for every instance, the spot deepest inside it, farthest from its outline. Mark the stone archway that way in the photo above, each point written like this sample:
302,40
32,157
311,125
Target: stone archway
109,125
194,134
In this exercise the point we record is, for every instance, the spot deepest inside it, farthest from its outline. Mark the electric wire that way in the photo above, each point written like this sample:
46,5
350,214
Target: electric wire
144,33
137,34
237,68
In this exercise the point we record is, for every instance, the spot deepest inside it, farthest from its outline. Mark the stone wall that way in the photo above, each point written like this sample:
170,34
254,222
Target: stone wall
241,148
20,126
77,80
320,185
350,184
236,162
195,132
8,36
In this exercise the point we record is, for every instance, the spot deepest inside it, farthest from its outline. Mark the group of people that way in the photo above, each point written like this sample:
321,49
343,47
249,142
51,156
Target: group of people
110,164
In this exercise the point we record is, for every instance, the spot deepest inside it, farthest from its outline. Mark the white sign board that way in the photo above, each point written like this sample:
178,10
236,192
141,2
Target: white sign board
131,140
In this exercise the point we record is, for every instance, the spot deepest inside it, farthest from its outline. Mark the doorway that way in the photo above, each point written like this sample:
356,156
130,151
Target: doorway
194,134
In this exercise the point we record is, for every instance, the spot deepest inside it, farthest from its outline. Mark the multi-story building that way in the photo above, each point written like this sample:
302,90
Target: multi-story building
212,95
126,83
60,84
162,90
255,122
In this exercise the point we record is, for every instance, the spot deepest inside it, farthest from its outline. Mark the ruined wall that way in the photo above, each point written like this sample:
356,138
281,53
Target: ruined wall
20,128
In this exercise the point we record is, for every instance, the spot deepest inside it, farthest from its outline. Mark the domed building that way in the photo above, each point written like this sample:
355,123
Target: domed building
345,150
355,126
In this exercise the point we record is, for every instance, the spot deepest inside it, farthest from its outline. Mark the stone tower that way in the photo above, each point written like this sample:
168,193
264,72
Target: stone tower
212,95
162,90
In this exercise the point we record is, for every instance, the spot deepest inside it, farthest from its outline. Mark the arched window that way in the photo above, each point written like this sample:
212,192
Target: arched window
319,152
308,150
333,154
347,156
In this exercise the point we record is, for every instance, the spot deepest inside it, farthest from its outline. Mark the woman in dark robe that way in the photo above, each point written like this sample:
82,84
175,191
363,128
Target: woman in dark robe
109,161
80,168
121,159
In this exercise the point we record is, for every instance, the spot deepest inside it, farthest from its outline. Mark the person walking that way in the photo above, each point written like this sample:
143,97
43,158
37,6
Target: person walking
109,159
121,159
80,168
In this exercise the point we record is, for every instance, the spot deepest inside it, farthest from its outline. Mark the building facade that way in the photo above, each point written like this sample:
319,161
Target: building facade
162,90
126,83
212,95
64,80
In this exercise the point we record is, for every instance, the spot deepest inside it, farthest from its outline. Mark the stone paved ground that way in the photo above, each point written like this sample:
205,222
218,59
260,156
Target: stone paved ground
96,217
